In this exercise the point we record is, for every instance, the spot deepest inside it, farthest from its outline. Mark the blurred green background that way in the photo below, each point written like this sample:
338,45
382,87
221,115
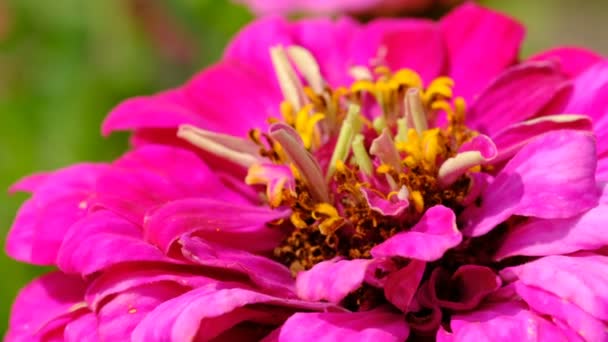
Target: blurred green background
65,63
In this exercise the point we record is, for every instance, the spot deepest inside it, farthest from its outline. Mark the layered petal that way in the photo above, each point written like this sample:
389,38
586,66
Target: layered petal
572,60
61,198
103,239
375,325
533,85
214,221
581,323
551,177
538,237
509,321
43,302
211,310
435,233
465,289
580,280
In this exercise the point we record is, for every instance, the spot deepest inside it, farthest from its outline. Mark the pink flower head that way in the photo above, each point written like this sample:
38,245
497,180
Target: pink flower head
342,6
329,180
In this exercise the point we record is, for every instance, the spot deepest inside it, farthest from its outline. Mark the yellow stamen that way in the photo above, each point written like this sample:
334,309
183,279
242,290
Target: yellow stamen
417,200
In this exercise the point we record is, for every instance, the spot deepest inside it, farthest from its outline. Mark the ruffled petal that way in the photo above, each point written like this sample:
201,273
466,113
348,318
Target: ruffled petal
153,175
512,138
60,200
211,310
581,280
480,44
580,323
551,177
82,329
538,237
43,301
530,86
115,240
331,280
266,274
508,321
214,221
435,233
465,289
375,325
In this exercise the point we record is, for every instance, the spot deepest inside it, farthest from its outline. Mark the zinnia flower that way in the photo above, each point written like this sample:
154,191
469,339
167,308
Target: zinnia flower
344,6
399,179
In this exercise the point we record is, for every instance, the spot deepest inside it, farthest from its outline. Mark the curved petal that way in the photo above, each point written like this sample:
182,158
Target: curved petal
58,202
375,325
551,177
435,233
507,321
480,44
153,175
115,239
530,87
45,299
580,280
331,280
204,102
538,237
214,221
512,138
266,274
212,310
82,329
572,60
578,321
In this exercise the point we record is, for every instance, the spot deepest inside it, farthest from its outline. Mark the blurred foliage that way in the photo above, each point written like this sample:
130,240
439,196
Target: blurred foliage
65,63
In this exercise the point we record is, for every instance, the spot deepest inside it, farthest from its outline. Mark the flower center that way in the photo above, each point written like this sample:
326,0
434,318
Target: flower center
356,165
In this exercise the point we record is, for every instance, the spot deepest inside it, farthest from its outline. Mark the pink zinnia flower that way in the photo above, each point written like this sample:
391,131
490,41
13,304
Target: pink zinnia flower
343,6
357,198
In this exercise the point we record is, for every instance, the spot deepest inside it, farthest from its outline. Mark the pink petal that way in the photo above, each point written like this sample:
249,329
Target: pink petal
435,233
82,329
130,276
45,299
578,321
153,175
209,311
332,62
590,91
30,183
215,221
471,283
530,86
480,43
401,286
115,239
393,40
235,97
551,177
507,321
580,280
266,274
375,325
122,313
537,237
512,138
168,109
253,42
331,280
58,202
572,60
